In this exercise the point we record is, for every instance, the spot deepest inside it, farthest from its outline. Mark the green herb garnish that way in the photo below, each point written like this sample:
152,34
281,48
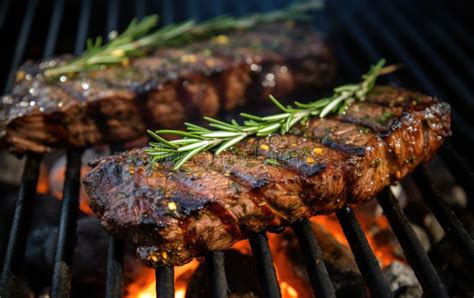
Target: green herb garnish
138,38
198,139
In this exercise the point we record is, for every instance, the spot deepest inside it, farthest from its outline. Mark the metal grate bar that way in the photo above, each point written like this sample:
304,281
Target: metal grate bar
313,256
265,269
168,12
193,9
112,16
445,215
364,256
140,8
62,272
18,233
217,277
164,282
115,255
54,28
21,44
83,26
114,270
412,248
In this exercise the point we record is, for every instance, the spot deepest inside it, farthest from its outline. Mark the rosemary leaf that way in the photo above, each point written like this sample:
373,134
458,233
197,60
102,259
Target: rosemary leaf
230,143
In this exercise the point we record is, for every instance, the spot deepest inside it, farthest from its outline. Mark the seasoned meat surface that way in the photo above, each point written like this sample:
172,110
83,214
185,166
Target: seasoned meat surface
163,89
265,183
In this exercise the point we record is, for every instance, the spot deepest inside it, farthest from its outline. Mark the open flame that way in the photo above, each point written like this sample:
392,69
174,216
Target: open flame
51,182
291,285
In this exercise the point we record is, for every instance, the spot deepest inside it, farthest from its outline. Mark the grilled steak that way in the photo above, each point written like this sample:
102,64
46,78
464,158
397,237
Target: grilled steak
163,89
264,183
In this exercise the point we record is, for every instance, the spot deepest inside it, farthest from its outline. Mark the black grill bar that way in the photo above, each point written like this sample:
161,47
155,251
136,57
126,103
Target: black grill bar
21,44
139,9
412,248
83,26
265,269
164,282
114,270
20,226
445,215
313,256
62,272
54,28
112,15
364,256
193,10
115,255
168,12
216,272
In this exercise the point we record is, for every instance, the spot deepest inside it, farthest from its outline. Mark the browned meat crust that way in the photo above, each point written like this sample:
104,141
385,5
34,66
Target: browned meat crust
214,201
164,89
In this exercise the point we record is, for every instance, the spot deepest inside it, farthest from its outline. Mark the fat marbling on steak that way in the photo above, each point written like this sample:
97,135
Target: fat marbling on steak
211,202
163,89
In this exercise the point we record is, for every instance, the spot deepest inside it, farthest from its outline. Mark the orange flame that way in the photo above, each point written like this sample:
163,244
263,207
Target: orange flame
51,182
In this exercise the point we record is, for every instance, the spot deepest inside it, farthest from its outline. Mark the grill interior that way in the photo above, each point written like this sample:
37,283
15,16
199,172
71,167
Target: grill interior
429,39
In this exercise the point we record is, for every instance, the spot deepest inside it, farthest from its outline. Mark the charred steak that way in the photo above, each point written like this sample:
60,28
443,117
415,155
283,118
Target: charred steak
263,183
164,89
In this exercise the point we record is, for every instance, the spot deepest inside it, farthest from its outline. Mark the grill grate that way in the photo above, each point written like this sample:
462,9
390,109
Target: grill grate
352,26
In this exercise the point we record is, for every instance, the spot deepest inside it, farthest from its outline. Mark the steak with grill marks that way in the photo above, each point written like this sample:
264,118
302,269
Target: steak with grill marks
264,183
163,89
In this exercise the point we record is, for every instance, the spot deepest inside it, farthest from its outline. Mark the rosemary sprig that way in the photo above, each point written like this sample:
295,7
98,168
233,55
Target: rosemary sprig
137,38
198,139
